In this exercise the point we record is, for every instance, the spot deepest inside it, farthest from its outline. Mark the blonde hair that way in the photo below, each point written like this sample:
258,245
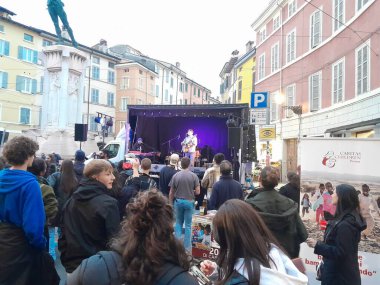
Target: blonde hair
96,166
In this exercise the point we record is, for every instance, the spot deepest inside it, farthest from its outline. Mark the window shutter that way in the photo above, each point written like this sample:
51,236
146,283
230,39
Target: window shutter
19,82
42,85
6,48
34,86
5,80
20,53
35,56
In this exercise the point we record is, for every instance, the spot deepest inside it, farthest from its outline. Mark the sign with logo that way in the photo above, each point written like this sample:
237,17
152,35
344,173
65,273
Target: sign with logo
267,132
259,100
258,116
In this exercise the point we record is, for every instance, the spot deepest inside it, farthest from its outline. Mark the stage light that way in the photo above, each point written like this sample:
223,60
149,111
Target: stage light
231,123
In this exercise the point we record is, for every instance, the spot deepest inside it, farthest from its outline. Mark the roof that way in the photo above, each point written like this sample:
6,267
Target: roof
204,110
246,57
273,6
54,37
132,62
354,126
228,66
2,9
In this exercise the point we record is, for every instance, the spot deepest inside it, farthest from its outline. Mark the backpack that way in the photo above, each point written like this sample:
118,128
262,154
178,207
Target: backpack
112,259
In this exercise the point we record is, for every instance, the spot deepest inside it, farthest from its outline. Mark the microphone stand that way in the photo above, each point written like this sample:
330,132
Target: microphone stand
169,142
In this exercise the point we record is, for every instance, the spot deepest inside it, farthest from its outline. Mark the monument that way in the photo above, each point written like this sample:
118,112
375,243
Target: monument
63,90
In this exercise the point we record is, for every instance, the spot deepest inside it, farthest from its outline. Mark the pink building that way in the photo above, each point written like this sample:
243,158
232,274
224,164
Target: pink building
321,55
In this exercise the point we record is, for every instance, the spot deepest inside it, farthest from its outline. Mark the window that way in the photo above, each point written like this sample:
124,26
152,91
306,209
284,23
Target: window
261,73
276,22
263,34
362,69
315,91
111,65
180,101
181,87
157,90
195,91
124,83
338,14
273,107
167,75
24,116
240,84
111,76
141,83
110,99
28,38
361,3
315,29
338,82
199,93
166,95
46,43
186,87
291,46
185,101
3,79
124,104
94,96
4,47
96,60
93,124
171,82
275,59
140,72
27,54
95,72
26,84
171,99
290,99
2,29
292,8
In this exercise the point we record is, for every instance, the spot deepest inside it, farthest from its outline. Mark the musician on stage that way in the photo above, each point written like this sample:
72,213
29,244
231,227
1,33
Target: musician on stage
189,145
140,146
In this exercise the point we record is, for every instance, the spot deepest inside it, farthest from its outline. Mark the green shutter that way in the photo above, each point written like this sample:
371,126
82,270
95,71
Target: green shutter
34,86
20,53
6,48
5,80
35,56
19,82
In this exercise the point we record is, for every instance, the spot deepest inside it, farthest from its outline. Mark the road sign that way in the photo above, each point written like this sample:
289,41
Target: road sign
259,100
267,132
258,116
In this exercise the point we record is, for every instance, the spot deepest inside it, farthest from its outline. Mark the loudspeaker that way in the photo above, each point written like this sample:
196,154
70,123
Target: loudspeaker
234,135
80,132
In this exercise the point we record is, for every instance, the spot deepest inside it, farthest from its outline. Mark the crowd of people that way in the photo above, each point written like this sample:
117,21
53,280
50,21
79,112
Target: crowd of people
116,224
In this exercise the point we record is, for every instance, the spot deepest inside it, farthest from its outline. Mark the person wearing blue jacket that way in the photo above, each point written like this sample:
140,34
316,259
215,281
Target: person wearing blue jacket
22,215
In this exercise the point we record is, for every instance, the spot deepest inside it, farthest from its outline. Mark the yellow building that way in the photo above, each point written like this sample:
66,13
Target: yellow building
20,75
245,73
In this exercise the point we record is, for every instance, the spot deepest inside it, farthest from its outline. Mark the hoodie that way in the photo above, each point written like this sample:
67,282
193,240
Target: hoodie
280,214
90,218
21,204
282,270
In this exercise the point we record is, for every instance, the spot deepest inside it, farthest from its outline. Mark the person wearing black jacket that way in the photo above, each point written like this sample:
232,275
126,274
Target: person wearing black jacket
339,247
90,216
292,189
226,188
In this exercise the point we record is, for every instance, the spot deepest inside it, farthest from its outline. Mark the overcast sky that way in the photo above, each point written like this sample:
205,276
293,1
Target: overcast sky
200,34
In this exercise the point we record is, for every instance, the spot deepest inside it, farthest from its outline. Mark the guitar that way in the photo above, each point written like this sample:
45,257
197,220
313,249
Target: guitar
187,144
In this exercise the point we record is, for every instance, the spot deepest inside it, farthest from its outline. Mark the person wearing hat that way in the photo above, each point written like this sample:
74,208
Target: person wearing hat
139,146
80,157
167,173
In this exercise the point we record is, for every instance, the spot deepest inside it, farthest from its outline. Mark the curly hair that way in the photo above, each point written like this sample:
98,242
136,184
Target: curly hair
19,149
146,241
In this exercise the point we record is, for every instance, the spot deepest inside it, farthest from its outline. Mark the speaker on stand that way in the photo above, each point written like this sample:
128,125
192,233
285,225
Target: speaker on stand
80,133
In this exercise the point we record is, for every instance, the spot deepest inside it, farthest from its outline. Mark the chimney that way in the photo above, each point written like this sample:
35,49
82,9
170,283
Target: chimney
103,46
249,46
178,65
235,53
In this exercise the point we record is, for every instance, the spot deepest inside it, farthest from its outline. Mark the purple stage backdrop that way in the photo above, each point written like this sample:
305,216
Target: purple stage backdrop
155,131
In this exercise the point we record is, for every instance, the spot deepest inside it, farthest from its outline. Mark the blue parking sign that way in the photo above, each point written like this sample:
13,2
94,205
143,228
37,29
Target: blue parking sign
259,100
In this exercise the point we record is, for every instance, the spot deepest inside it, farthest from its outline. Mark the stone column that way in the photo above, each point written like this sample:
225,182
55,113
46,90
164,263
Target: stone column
63,88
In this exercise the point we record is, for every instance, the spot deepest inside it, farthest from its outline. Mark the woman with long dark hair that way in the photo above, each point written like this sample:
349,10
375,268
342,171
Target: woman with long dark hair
145,251
249,254
339,247
64,184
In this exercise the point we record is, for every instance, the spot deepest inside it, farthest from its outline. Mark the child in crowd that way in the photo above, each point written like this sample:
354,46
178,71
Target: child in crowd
305,204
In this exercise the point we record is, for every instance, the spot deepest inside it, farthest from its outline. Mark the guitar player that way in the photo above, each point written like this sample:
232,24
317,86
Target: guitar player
189,145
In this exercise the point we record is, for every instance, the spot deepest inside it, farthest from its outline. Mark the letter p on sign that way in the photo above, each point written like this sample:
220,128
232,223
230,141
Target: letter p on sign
259,100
